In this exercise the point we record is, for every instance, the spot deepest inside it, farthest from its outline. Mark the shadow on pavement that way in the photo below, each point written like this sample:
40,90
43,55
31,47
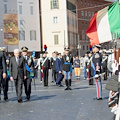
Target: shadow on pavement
35,97
80,88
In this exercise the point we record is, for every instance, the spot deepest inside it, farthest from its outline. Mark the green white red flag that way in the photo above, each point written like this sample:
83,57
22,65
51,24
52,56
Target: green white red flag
103,24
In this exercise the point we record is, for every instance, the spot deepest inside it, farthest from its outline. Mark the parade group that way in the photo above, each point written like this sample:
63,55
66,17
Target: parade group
21,69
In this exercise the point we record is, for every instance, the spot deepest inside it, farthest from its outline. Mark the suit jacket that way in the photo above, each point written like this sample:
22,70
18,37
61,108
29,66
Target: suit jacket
58,65
31,66
53,63
17,69
2,62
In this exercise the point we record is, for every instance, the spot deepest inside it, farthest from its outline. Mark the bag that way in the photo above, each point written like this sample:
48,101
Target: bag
31,75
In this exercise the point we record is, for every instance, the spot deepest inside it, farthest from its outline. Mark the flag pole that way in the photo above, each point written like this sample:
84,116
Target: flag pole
118,110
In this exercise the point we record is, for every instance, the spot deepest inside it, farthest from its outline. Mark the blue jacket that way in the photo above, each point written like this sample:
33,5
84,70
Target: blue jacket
58,65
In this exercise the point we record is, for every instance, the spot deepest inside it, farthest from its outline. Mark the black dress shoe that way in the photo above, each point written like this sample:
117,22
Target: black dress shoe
20,101
66,88
28,98
69,88
61,86
97,99
5,98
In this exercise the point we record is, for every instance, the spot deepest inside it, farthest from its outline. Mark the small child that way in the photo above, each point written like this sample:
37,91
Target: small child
77,67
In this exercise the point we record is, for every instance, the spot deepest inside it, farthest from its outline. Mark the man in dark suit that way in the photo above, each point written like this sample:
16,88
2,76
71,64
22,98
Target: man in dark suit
6,80
2,68
52,62
29,70
59,70
17,73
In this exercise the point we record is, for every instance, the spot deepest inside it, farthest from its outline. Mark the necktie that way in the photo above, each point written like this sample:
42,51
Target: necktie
17,60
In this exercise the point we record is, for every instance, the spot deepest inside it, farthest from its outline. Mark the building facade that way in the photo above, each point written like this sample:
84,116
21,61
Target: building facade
7,7
59,25
28,23
86,10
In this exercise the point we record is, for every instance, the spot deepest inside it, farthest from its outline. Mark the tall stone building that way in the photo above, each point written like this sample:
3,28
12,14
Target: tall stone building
59,25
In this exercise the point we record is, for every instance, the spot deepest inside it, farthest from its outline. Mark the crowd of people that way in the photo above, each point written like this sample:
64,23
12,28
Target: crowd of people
22,68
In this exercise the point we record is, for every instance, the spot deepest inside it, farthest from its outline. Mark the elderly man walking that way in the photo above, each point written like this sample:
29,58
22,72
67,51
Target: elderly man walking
18,73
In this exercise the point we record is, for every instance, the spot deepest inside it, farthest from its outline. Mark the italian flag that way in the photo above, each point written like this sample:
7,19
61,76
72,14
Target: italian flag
103,24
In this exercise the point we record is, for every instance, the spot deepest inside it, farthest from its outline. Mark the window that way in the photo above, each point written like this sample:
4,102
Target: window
82,24
21,22
83,47
5,8
54,4
83,35
88,4
68,20
22,35
31,10
87,47
56,41
86,15
76,23
81,2
20,9
55,19
89,15
32,35
92,14
82,14
86,24
92,4
73,22
85,3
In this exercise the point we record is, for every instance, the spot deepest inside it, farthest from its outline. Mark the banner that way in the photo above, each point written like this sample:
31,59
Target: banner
10,29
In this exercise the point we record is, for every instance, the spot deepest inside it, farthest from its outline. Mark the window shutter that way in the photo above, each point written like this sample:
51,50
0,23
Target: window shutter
57,4
51,5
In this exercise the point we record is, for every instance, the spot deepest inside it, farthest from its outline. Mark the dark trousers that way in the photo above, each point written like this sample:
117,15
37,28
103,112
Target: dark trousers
18,86
55,75
60,78
35,73
91,81
105,71
5,86
27,85
45,76
1,73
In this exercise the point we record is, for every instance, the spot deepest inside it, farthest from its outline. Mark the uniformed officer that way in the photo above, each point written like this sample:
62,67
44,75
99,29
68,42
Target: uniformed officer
6,80
104,65
29,70
67,60
96,70
2,68
45,64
